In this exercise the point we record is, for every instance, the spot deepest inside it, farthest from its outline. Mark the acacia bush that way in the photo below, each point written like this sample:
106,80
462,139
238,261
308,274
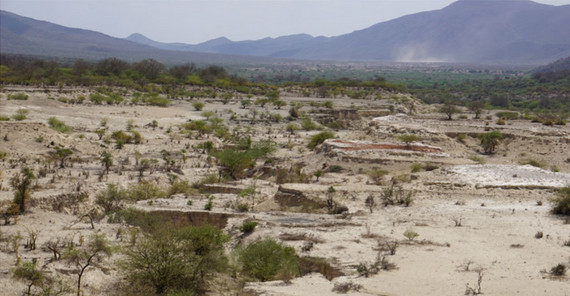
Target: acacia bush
319,139
243,156
175,262
490,141
144,191
111,199
267,259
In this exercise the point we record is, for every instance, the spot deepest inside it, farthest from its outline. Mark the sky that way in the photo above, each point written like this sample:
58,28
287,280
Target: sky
195,21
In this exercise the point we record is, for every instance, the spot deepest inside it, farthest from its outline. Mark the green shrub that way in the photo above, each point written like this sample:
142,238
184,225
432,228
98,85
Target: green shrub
209,205
410,234
319,139
416,167
208,179
4,118
507,115
248,226
267,259
111,199
490,141
308,125
198,106
155,100
97,98
175,262
144,191
561,204
59,125
18,96
477,159
21,114
408,139
121,138
377,175
140,218
179,187
533,162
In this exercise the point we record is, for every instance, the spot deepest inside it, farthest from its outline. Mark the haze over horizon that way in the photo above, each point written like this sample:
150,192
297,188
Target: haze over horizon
196,21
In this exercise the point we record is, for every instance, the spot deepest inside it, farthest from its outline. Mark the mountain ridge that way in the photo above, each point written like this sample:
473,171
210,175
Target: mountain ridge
26,36
466,31
471,31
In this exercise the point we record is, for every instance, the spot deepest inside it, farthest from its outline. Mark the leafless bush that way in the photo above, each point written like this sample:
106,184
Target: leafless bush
344,288
476,290
32,238
307,246
466,266
55,246
300,236
457,221
391,246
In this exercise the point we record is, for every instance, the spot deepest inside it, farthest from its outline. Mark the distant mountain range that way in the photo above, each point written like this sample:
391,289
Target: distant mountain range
26,36
467,31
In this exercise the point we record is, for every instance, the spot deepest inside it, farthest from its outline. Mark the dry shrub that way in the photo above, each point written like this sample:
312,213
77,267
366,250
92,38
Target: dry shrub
65,202
315,264
344,288
300,237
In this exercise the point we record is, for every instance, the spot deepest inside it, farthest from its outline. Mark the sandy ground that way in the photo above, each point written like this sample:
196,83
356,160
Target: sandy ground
496,203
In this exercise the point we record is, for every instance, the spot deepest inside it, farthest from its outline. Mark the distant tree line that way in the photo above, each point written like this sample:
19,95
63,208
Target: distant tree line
110,71
541,93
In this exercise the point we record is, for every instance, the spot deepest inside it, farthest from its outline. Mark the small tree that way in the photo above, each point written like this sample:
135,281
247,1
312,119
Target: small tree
292,128
476,107
21,183
170,261
279,103
408,139
318,174
143,165
27,272
111,198
89,255
106,160
198,106
62,154
449,109
234,161
245,103
490,141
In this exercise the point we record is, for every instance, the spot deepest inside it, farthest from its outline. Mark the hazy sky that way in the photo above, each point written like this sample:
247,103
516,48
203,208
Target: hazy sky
194,21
